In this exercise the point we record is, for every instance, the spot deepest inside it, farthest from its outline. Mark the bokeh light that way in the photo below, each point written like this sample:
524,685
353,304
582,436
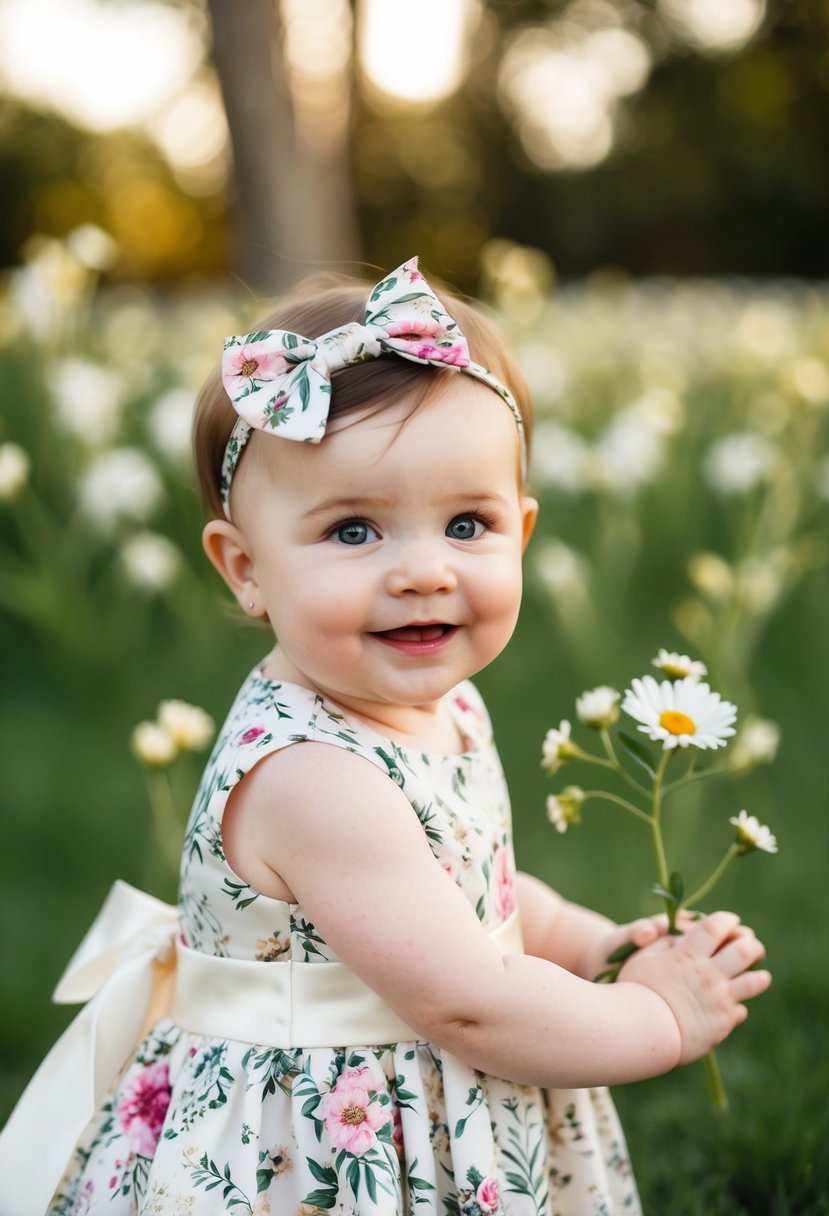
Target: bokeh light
104,66
418,59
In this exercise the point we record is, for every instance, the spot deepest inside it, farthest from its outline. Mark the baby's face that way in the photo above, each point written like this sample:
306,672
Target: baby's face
388,557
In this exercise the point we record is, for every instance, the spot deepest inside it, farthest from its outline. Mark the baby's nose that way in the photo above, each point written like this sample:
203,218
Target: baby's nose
422,569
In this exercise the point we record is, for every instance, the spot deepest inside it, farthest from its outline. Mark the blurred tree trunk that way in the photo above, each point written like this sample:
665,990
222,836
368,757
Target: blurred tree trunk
294,200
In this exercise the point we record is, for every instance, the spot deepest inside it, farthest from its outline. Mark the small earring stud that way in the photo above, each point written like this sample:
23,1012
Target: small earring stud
251,605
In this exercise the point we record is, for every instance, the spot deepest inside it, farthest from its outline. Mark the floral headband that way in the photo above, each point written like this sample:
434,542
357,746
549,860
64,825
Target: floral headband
280,382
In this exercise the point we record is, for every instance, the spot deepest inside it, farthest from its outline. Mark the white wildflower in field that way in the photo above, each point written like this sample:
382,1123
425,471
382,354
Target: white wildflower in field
560,568
757,743
712,575
679,666
152,562
739,462
598,707
170,421
810,380
659,409
15,466
558,747
87,400
153,745
628,454
121,483
684,713
190,727
545,370
565,808
751,834
560,458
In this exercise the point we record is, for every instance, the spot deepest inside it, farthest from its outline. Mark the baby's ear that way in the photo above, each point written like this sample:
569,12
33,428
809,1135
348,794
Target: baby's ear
227,549
529,514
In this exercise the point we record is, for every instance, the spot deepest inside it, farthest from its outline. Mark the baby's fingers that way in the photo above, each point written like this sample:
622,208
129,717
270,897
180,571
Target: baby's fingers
741,951
750,984
710,934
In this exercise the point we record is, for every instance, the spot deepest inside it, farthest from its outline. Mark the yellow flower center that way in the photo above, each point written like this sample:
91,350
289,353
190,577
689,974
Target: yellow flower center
676,723
354,1114
249,367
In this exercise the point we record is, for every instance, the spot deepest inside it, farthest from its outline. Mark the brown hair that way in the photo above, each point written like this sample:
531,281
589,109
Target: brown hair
315,306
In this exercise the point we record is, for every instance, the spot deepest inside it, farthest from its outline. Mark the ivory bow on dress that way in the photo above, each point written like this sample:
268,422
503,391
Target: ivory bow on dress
280,382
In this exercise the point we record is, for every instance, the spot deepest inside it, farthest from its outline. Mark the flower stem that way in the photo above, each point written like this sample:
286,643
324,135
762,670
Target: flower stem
614,763
719,1097
714,878
656,812
166,826
622,802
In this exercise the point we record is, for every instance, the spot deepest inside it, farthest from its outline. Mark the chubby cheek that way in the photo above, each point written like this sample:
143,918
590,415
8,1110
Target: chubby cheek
497,599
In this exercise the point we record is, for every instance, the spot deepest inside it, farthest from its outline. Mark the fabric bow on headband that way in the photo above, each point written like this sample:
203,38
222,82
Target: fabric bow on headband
280,382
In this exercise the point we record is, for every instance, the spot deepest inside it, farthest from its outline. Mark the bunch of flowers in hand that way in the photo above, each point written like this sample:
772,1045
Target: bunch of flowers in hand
684,716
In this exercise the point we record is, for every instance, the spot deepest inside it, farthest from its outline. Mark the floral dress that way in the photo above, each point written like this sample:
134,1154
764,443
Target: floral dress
206,1126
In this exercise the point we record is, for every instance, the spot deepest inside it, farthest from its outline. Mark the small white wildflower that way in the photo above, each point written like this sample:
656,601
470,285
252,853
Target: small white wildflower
170,422
739,462
683,713
751,834
560,458
557,748
153,745
757,743
87,400
712,575
190,727
679,666
15,466
151,561
565,808
598,707
560,568
120,483
628,454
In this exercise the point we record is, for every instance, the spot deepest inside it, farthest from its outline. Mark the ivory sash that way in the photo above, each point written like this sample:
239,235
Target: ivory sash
131,970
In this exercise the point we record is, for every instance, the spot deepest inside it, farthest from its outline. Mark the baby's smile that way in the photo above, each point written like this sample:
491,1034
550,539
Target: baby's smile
417,638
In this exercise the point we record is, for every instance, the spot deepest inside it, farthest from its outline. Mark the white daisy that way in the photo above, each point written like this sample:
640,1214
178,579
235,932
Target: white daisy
557,748
752,834
684,713
564,808
598,707
679,666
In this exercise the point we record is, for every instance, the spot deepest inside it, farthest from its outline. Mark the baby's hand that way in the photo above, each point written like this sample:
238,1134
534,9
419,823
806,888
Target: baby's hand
703,976
602,958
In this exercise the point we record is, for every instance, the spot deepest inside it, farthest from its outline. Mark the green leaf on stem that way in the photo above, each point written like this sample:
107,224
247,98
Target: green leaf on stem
622,952
637,751
677,887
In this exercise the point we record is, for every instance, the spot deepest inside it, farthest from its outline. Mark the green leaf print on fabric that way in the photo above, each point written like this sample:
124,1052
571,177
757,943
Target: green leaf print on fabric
271,1068
236,891
307,936
526,1142
474,1098
208,1175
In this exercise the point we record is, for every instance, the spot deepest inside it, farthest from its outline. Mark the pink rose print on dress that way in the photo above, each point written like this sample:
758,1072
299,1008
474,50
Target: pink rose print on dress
487,1196
141,1111
252,734
351,1117
504,880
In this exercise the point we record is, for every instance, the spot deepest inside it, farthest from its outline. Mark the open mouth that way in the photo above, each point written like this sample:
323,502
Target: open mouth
420,638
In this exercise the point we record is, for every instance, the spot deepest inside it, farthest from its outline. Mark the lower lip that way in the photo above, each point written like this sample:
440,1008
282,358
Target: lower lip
418,648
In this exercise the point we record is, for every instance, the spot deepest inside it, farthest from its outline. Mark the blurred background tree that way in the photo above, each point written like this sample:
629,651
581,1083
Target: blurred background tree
674,136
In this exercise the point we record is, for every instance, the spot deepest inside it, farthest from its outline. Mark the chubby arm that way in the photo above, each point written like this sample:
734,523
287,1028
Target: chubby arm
559,931
351,849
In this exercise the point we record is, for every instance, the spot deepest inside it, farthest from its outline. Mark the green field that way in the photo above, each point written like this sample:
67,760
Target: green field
635,385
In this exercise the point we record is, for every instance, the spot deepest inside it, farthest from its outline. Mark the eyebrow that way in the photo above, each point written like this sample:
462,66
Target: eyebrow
357,506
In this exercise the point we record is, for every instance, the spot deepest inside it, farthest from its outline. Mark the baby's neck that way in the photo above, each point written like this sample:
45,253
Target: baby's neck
427,728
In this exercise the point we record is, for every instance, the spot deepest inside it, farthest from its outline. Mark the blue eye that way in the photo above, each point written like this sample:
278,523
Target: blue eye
465,527
354,532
